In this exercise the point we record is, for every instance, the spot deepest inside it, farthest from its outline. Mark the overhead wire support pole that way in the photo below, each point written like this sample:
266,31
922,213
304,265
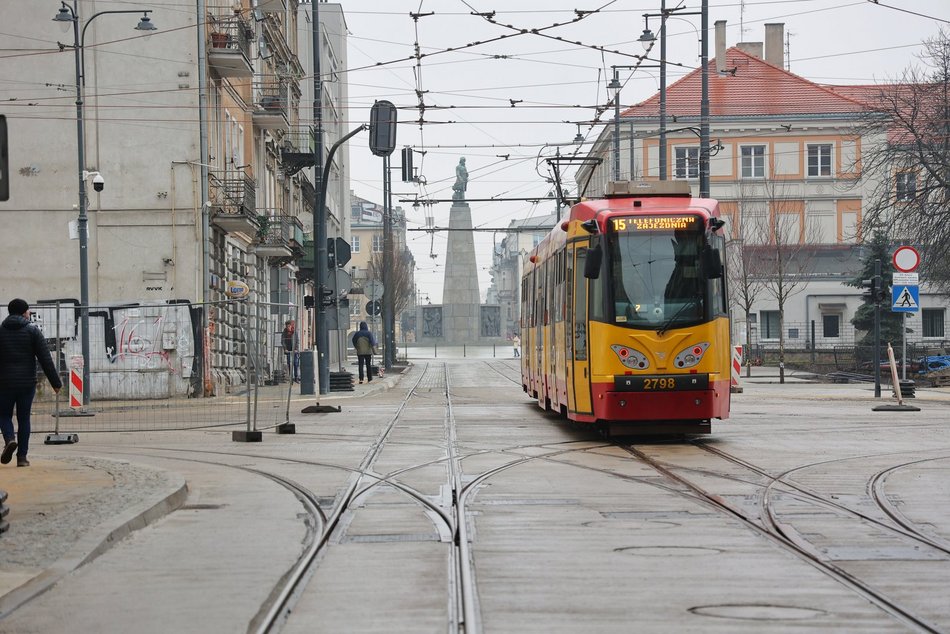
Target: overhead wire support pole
321,336
70,15
663,148
704,105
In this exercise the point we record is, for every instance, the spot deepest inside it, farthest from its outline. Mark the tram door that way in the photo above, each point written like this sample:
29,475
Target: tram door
578,364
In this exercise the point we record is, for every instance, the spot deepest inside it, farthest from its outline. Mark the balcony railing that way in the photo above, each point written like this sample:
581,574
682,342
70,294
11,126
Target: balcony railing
271,104
229,47
297,150
280,236
233,208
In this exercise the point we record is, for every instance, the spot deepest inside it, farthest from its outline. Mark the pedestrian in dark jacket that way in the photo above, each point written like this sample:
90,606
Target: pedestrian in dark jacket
21,345
365,344
291,343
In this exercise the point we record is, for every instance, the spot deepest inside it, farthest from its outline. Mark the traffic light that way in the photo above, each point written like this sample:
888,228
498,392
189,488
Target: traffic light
326,296
331,253
382,128
875,292
308,301
407,165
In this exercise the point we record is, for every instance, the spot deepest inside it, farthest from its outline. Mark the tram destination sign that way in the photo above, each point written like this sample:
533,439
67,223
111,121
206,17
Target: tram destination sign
654,223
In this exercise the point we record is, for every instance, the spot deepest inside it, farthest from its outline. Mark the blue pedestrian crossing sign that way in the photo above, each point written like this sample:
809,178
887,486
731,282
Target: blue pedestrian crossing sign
905,298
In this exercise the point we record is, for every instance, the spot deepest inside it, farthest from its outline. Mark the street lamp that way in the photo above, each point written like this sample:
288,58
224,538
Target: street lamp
65,16
647,38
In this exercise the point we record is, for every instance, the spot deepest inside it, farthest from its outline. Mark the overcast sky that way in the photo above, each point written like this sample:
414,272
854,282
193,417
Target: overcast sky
555,84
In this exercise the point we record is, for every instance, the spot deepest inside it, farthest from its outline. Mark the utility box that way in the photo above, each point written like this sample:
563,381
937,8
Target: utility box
307,372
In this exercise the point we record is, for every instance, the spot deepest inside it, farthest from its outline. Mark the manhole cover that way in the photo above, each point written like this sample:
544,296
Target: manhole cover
756,612
667,551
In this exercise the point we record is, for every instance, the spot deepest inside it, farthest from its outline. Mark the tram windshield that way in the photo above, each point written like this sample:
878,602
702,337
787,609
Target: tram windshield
656,271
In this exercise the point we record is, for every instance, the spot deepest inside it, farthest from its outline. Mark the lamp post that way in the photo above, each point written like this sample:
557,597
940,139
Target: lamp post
70,15
647,38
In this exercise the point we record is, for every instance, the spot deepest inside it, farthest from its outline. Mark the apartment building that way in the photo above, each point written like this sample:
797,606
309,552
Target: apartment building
201,130
785,152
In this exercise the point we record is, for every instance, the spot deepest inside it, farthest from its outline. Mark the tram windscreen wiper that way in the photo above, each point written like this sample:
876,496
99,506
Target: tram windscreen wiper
669,322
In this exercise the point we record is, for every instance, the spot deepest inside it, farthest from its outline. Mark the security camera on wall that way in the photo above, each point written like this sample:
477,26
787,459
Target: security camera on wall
98,182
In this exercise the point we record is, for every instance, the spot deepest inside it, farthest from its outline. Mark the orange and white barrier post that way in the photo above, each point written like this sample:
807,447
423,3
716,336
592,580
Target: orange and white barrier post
734,386
75,382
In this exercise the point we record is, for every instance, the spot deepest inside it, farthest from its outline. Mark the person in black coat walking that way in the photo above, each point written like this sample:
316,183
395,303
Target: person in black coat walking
21,345
365,344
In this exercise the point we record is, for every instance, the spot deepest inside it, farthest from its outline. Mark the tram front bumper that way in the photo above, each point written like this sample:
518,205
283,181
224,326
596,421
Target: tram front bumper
662,397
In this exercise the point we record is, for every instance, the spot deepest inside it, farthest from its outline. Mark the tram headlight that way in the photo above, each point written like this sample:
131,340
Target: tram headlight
690,356
630,357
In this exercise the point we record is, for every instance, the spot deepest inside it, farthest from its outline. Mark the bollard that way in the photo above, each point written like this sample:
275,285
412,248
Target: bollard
4,510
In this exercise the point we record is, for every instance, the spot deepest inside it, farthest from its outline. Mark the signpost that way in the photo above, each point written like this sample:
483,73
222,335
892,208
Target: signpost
905,291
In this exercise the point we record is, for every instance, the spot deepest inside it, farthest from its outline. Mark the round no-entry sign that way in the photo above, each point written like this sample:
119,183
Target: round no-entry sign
906,259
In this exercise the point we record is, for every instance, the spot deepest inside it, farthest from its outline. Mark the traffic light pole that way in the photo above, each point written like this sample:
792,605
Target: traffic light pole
876,293
321,268
389,338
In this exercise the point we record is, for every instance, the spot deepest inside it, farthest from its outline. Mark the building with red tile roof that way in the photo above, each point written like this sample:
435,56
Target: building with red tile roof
785,153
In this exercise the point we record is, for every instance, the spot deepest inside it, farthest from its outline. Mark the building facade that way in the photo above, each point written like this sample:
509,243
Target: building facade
785,164
508,264
367,242
202,133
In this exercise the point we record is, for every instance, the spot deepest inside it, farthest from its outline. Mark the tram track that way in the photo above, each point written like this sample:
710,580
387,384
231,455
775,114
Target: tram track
451,512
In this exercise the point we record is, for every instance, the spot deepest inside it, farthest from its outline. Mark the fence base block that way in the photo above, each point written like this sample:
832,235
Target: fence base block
286,428
320,409
895,408
61,439
246,436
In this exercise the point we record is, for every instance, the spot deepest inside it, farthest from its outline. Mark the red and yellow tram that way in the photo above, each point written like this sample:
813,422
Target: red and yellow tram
624,315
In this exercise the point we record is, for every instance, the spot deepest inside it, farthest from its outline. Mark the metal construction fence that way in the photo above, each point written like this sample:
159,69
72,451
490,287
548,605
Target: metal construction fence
165,366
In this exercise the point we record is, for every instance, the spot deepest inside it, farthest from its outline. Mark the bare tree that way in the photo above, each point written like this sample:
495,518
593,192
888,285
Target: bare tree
909,165
784,258
745,285
401,276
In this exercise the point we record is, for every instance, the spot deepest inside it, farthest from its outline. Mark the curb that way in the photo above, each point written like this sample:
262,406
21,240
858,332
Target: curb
98,541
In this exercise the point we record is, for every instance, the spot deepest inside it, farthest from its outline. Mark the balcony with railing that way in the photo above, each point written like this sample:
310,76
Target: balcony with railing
272,6
296,150
280,235
229,46
233,197
271,105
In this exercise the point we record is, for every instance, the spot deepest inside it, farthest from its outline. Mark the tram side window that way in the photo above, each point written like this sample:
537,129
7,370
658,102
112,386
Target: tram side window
597,302
718,304
580,308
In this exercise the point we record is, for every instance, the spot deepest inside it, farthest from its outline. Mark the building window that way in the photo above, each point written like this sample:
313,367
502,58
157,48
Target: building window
819,160
687,162
753,161
831,325
769,327
906,186
377,243
354,244
932,319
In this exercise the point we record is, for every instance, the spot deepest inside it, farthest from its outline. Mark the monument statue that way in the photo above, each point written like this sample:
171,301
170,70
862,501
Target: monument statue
461,181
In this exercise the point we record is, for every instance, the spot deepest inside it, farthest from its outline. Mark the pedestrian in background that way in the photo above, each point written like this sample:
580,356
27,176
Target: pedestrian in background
21,344
365,344
291,343
516,344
